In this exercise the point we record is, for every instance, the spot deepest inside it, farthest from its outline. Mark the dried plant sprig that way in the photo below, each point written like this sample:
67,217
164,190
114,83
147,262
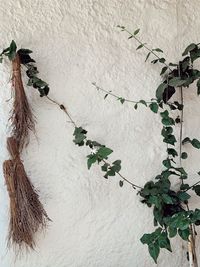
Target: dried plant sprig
22,119
27,214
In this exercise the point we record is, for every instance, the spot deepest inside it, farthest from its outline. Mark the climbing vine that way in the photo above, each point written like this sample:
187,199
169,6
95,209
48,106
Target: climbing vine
171,212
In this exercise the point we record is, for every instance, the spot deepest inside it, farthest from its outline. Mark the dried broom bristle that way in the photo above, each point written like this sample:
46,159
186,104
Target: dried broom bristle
27,214
22,119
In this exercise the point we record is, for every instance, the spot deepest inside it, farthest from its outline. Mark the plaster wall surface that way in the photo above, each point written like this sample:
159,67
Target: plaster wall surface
95,222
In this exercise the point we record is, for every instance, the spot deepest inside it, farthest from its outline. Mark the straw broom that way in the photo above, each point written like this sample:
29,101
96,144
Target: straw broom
27,214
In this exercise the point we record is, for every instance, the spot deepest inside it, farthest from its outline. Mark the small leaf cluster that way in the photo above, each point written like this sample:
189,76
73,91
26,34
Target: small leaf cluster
28,62
9,52
99,153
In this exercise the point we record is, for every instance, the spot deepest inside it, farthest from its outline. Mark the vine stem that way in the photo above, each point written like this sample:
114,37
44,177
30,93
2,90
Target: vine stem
181,127
116,96
191,240
63,108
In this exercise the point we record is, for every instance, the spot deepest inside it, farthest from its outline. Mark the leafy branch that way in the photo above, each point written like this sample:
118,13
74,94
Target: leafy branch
153,51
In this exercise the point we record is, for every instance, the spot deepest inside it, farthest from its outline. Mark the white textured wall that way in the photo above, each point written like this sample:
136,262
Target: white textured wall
95,222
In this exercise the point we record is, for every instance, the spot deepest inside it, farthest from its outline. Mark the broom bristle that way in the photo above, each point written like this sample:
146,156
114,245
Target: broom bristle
22,119
27,214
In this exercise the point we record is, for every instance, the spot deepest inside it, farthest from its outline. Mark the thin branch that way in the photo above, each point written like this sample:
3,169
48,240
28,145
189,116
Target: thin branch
117,96
144,45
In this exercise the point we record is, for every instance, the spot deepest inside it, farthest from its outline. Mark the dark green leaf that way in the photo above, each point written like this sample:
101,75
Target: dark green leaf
12,50
158,50
189,48
183,196
172,232
172,151
195,143
163,70
176,82
136,31
167,199
154,250
184,155
104,152
184,234
147,56
154,107
160,91
196,188
121,183
143,102
186,140
140,46
167,163
91,160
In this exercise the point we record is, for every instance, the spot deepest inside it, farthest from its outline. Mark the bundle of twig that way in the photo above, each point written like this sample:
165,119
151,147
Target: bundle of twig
27,214
22,118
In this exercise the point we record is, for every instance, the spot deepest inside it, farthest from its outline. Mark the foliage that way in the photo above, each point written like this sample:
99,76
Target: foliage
28,62
171,213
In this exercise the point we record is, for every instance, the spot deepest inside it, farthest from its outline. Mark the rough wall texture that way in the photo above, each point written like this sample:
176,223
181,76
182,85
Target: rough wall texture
75,42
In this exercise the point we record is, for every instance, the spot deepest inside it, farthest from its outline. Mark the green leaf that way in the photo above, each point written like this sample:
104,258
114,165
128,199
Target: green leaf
121,99
154,250
146,239
167,163
189,48
155,200
164,69
160,90
172,232
167,199
154,107
91,160
183,196
176,82
121,183
158,50
196,189
104,152
147,56
12,50
25,51
172,151
184,234
143,102
104,168
136,106
136,31
140,46
162,60
164,242
186,140
170,139
168,121
184,186
184,155
195,143
80,136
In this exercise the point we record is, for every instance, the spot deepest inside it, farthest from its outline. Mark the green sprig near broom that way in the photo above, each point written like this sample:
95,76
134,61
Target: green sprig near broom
27,214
